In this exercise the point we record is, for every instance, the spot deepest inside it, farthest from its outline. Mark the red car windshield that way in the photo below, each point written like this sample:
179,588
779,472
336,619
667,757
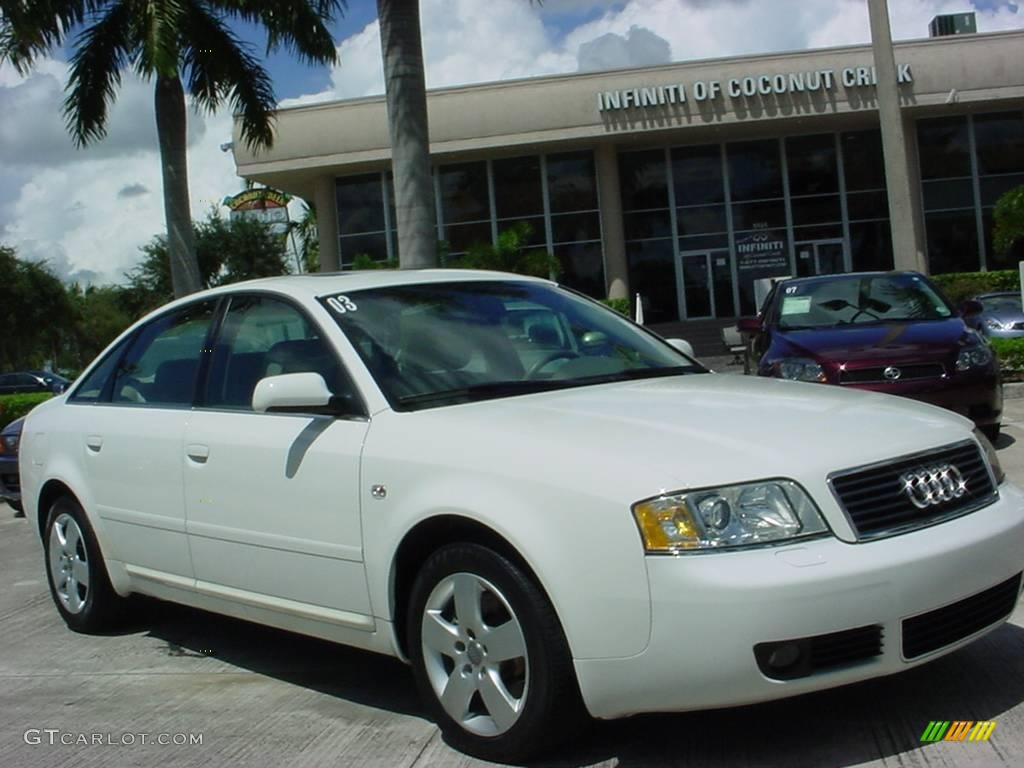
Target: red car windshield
859,299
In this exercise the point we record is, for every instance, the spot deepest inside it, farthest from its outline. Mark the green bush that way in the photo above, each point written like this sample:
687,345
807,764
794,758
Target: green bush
1010,353
619,305
959,286
15,406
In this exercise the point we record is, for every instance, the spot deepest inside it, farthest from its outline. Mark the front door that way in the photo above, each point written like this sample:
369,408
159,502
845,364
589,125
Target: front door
273,503
820,257
698,284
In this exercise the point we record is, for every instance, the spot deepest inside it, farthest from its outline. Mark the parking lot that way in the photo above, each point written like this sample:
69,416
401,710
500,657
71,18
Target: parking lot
259,697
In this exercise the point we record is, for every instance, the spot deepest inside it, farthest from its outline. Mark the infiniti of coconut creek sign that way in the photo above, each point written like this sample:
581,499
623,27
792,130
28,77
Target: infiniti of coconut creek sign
749,86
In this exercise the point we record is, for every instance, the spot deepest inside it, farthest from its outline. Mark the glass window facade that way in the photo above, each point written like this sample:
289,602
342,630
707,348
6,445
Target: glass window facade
967,163
702,223
555,194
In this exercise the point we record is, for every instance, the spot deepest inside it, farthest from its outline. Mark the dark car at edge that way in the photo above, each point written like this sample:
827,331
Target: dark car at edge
10,484
890,332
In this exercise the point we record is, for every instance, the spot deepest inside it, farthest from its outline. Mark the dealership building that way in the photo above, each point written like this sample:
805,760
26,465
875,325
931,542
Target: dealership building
686,182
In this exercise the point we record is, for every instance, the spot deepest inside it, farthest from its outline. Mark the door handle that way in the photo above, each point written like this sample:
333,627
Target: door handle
94,443
198,453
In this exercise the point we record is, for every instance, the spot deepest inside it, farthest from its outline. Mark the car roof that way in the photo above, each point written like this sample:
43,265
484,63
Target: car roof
993,294
844,276
316,284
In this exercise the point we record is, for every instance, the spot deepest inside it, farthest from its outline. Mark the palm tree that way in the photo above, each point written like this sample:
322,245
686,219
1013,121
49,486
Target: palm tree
404,84
168,41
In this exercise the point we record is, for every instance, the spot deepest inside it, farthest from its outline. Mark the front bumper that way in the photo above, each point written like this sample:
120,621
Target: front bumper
978,396
10,485
709,611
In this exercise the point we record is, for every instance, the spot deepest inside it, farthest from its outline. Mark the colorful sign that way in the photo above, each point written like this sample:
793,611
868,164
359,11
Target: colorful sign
266,205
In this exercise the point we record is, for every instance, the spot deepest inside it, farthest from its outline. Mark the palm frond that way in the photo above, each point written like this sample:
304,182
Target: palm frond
102,51
218,66
30,28
298,26
159,25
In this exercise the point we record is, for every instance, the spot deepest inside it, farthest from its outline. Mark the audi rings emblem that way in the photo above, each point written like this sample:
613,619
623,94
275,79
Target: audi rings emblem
929,486
892,373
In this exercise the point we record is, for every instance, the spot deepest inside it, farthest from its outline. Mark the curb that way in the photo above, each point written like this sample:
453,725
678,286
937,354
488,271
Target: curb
1013,390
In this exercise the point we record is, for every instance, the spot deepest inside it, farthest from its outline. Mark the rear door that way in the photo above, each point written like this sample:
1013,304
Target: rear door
273,503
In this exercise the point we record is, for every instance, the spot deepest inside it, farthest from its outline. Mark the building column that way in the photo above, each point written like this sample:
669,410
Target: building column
905,215
326,202
609,193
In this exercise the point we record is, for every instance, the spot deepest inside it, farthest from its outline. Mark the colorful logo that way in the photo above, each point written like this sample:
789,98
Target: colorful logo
958,730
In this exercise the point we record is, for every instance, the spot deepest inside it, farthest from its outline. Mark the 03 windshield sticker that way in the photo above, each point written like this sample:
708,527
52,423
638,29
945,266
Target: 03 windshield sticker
340,304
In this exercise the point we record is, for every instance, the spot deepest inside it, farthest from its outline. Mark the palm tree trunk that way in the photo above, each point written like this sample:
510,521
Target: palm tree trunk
170,129
404,83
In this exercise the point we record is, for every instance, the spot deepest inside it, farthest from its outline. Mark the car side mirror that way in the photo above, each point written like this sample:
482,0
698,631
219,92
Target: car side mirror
751,325
971,307
682,345
292,393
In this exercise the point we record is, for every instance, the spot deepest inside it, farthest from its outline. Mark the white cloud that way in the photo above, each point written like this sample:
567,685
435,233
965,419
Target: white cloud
68,205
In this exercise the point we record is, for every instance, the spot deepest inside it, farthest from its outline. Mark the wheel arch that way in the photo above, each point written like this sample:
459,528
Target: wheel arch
55,488
425,538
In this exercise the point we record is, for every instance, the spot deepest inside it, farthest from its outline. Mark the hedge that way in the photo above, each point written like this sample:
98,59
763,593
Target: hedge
1010,353
619,305
959,286
15,406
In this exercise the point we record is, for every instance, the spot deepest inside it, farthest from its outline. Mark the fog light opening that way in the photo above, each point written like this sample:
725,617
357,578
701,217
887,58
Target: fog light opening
784,656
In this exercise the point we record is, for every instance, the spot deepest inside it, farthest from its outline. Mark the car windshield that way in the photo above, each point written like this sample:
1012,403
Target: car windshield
857,300
1009,302
445,343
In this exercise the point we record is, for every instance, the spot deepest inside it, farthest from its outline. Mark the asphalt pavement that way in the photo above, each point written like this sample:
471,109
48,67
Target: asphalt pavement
223,692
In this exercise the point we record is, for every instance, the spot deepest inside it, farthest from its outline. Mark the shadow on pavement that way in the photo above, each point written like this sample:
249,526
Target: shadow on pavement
846,726
874,720
1005,440
336,670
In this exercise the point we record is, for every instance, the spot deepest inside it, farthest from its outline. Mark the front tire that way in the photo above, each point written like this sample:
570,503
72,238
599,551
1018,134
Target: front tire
489,656
991,431
75,571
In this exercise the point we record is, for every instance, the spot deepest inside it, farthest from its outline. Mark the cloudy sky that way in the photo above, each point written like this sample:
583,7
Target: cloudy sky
87,212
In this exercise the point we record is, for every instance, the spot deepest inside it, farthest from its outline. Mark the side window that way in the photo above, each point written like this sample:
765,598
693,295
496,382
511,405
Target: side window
263,337
92,387
162,363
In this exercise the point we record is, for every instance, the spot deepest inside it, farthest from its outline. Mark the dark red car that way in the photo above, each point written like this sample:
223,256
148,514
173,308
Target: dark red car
891,332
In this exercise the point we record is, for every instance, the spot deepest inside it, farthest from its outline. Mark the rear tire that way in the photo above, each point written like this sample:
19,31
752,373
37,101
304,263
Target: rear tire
489,656
75,571
19,511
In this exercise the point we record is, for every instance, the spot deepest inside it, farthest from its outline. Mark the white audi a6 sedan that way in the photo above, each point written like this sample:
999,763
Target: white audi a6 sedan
546,509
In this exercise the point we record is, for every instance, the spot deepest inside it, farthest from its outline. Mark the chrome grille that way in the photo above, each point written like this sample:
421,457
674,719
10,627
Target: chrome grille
878,503
877,375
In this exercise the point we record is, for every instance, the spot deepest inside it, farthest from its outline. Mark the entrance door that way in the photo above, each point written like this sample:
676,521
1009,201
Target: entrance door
698,285
820,257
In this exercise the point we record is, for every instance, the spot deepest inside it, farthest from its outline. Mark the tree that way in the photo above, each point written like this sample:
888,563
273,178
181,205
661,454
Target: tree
512,254
168,41
309,241
404,84
1009,221
34,311
99,314
226,251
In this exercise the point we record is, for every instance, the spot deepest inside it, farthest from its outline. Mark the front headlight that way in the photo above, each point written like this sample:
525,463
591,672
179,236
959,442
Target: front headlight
995,325
991,455
799,369
766,512
8,443
973,357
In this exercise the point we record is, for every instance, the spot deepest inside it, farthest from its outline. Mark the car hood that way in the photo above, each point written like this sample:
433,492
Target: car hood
634,440
922,340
